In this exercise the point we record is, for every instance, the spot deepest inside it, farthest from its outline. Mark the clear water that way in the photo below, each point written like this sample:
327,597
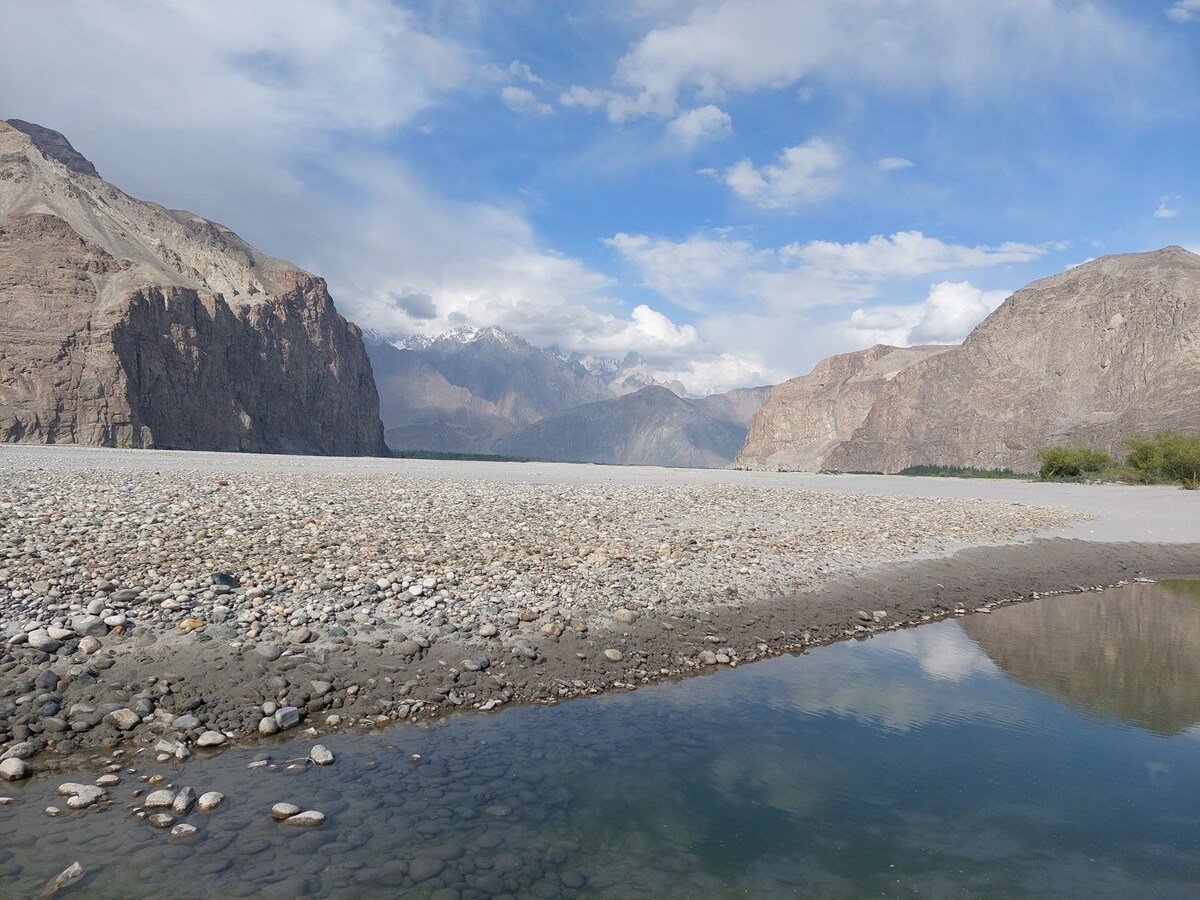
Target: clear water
1049,749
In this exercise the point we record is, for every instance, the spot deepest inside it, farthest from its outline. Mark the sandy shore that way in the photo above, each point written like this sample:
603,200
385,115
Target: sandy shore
185,599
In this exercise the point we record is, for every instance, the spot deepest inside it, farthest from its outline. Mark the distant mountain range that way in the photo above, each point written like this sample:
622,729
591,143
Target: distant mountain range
487,391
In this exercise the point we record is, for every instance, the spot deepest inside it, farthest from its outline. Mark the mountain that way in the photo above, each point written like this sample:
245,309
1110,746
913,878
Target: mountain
470,389
1088,357
650,427
129,324
803,419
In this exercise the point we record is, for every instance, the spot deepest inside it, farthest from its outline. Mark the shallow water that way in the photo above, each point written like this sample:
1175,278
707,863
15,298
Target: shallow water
1050,748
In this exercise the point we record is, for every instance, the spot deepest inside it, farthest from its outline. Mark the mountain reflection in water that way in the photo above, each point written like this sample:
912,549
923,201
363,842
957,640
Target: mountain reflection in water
1131,655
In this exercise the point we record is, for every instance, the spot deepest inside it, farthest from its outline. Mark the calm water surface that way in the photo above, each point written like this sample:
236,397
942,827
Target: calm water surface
1049,749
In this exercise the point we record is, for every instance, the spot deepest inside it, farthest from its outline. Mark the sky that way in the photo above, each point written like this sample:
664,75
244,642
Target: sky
735,189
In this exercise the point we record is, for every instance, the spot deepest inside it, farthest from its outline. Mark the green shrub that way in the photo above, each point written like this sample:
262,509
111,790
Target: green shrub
1168,456
1071,462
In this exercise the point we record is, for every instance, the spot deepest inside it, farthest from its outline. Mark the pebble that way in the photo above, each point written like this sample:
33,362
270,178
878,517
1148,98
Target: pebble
183,830
282,811
105,562
159,799
320,755
211,739
308,819
210,800
162,820
14,769
184,801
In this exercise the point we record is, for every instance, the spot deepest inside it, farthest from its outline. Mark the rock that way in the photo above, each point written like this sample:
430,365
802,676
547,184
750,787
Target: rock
184,801
320,755
267,726
423,868
159,799
89,626
707,658
302,635
162,820
308,819
211,739
408,649
47,680
210,800
89,645
613,655
879,615
282,811
21,750
185,723
62,880
865,616
107,781
124,719
287,717
271,652
625,616
183,830
14,769
235,350
487,630
39,639
125,595
86,796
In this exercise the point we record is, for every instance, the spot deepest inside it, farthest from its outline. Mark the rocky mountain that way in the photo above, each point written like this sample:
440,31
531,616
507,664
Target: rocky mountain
129,324
1088,357
802,420
469,389
650,427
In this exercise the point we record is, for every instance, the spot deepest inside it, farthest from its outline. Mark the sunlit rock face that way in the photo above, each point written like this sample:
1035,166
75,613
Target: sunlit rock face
1089,357
129,324
1136,661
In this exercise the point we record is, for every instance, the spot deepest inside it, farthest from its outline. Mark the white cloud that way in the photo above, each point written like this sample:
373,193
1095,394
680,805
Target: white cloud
524,101
515,70
892,163
905,254
578,95
705,123
1165,209
946,316
685,272
1184,10
936,45
804,173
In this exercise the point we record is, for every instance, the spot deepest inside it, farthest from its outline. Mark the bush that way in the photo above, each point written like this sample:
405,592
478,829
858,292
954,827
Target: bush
1071,462
1168,456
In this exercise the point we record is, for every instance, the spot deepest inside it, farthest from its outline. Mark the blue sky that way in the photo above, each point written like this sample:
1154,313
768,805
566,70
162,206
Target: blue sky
733,188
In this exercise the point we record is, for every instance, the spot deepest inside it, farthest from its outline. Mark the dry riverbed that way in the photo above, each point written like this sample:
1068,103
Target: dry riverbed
176,603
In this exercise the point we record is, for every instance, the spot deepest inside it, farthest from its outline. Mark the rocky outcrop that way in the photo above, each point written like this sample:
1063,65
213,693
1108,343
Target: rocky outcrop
128,324
802,420
650,427
1088,357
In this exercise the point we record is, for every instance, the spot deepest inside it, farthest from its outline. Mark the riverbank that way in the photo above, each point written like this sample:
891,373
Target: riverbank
185,601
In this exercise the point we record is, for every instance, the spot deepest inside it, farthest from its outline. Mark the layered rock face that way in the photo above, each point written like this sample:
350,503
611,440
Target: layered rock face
650,427
802,420
129,324
1089,357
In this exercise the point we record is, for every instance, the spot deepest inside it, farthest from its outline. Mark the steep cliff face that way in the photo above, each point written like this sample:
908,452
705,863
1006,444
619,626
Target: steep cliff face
129,324
1088,357
802,420
650,427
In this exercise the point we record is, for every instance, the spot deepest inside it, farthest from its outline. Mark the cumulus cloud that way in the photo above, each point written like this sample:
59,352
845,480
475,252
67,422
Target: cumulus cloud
905,254
416,306
804,173
685,272
705,123
1184,11
892,163
524,101
947,315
